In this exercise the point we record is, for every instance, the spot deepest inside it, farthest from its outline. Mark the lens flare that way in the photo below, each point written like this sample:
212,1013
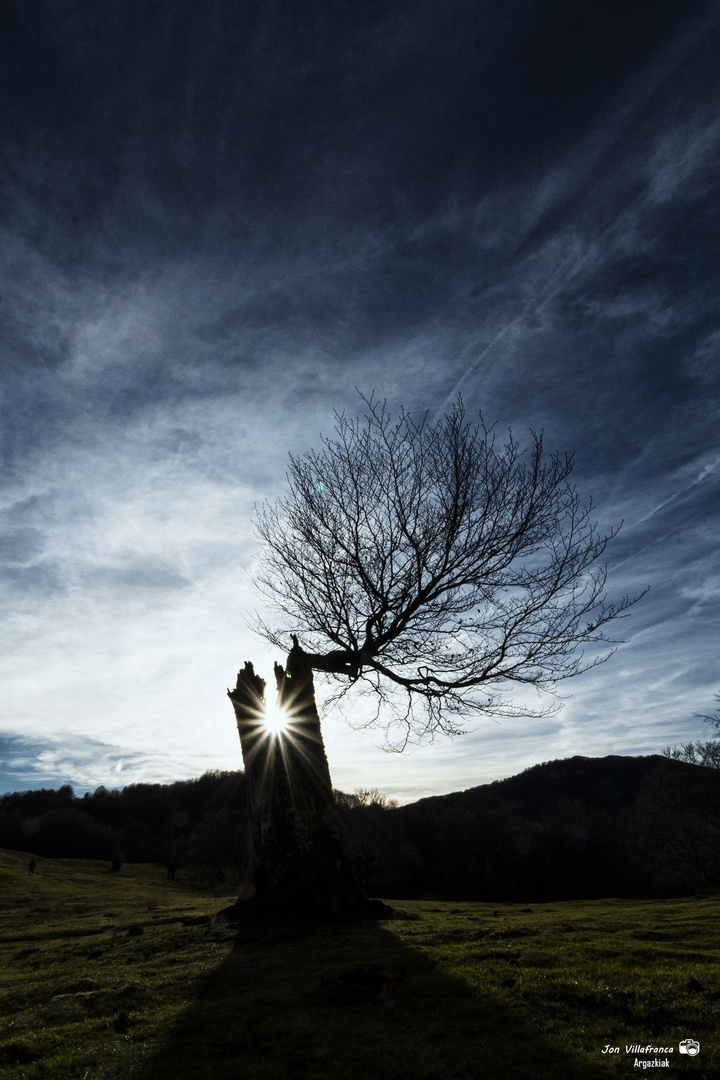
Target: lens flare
276,719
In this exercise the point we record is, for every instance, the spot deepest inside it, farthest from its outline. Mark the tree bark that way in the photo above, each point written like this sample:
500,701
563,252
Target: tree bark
297,861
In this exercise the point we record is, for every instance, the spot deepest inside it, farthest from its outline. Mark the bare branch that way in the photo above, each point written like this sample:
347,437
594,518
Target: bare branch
435,565
700,752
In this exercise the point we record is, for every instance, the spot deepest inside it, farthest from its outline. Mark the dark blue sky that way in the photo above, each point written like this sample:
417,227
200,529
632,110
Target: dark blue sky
219,219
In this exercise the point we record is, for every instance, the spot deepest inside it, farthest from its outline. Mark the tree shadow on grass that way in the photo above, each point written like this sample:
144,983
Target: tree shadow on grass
348,1002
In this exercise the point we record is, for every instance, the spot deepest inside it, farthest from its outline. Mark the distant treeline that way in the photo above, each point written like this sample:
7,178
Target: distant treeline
582,828
192,823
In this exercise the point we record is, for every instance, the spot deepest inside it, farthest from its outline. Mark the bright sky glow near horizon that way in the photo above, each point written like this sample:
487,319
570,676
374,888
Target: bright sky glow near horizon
219,219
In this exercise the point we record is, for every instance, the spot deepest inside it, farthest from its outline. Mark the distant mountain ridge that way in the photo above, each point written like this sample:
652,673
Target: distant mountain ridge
609,782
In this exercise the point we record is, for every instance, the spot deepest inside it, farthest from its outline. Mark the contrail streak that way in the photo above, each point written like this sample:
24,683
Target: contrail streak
693,483
603,142
702,475
645,548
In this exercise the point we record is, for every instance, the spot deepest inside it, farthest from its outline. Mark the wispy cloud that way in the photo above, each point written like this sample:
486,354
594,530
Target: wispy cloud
415,201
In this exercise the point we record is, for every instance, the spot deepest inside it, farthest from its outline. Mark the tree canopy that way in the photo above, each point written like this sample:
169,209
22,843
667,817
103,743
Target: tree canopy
435,566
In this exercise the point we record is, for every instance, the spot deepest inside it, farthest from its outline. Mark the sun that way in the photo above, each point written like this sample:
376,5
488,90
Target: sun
276,719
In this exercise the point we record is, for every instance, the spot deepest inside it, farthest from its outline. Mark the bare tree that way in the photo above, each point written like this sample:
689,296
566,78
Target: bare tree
436,567
432,566
701,752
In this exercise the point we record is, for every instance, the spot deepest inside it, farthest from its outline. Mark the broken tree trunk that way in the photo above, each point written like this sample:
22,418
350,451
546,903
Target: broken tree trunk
297,861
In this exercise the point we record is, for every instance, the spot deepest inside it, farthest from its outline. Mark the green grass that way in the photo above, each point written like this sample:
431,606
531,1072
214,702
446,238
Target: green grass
460,990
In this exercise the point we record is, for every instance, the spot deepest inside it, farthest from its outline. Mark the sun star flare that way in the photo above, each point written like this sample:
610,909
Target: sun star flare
276,719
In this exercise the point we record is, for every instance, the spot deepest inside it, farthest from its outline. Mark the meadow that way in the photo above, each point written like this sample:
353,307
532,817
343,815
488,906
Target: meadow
131,976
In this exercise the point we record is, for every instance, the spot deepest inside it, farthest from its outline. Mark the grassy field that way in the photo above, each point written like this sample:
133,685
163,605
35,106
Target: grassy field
131,976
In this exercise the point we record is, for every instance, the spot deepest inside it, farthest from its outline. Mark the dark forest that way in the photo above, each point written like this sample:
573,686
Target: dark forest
580,828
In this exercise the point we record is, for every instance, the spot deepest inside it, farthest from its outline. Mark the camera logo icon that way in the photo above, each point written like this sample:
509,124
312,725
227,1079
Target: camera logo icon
689,1047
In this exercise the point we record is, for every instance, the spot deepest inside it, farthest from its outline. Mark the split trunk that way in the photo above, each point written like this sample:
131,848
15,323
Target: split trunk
297,860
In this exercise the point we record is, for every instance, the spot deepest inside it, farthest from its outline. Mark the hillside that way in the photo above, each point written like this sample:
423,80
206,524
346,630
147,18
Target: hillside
579,828
570,829
610,783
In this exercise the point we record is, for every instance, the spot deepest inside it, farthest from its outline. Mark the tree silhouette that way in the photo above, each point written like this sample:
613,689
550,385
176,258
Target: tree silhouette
700,752
431,566
432,560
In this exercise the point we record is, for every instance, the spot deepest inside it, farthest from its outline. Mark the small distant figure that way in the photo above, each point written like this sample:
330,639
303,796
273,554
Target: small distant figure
116,860
31,867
